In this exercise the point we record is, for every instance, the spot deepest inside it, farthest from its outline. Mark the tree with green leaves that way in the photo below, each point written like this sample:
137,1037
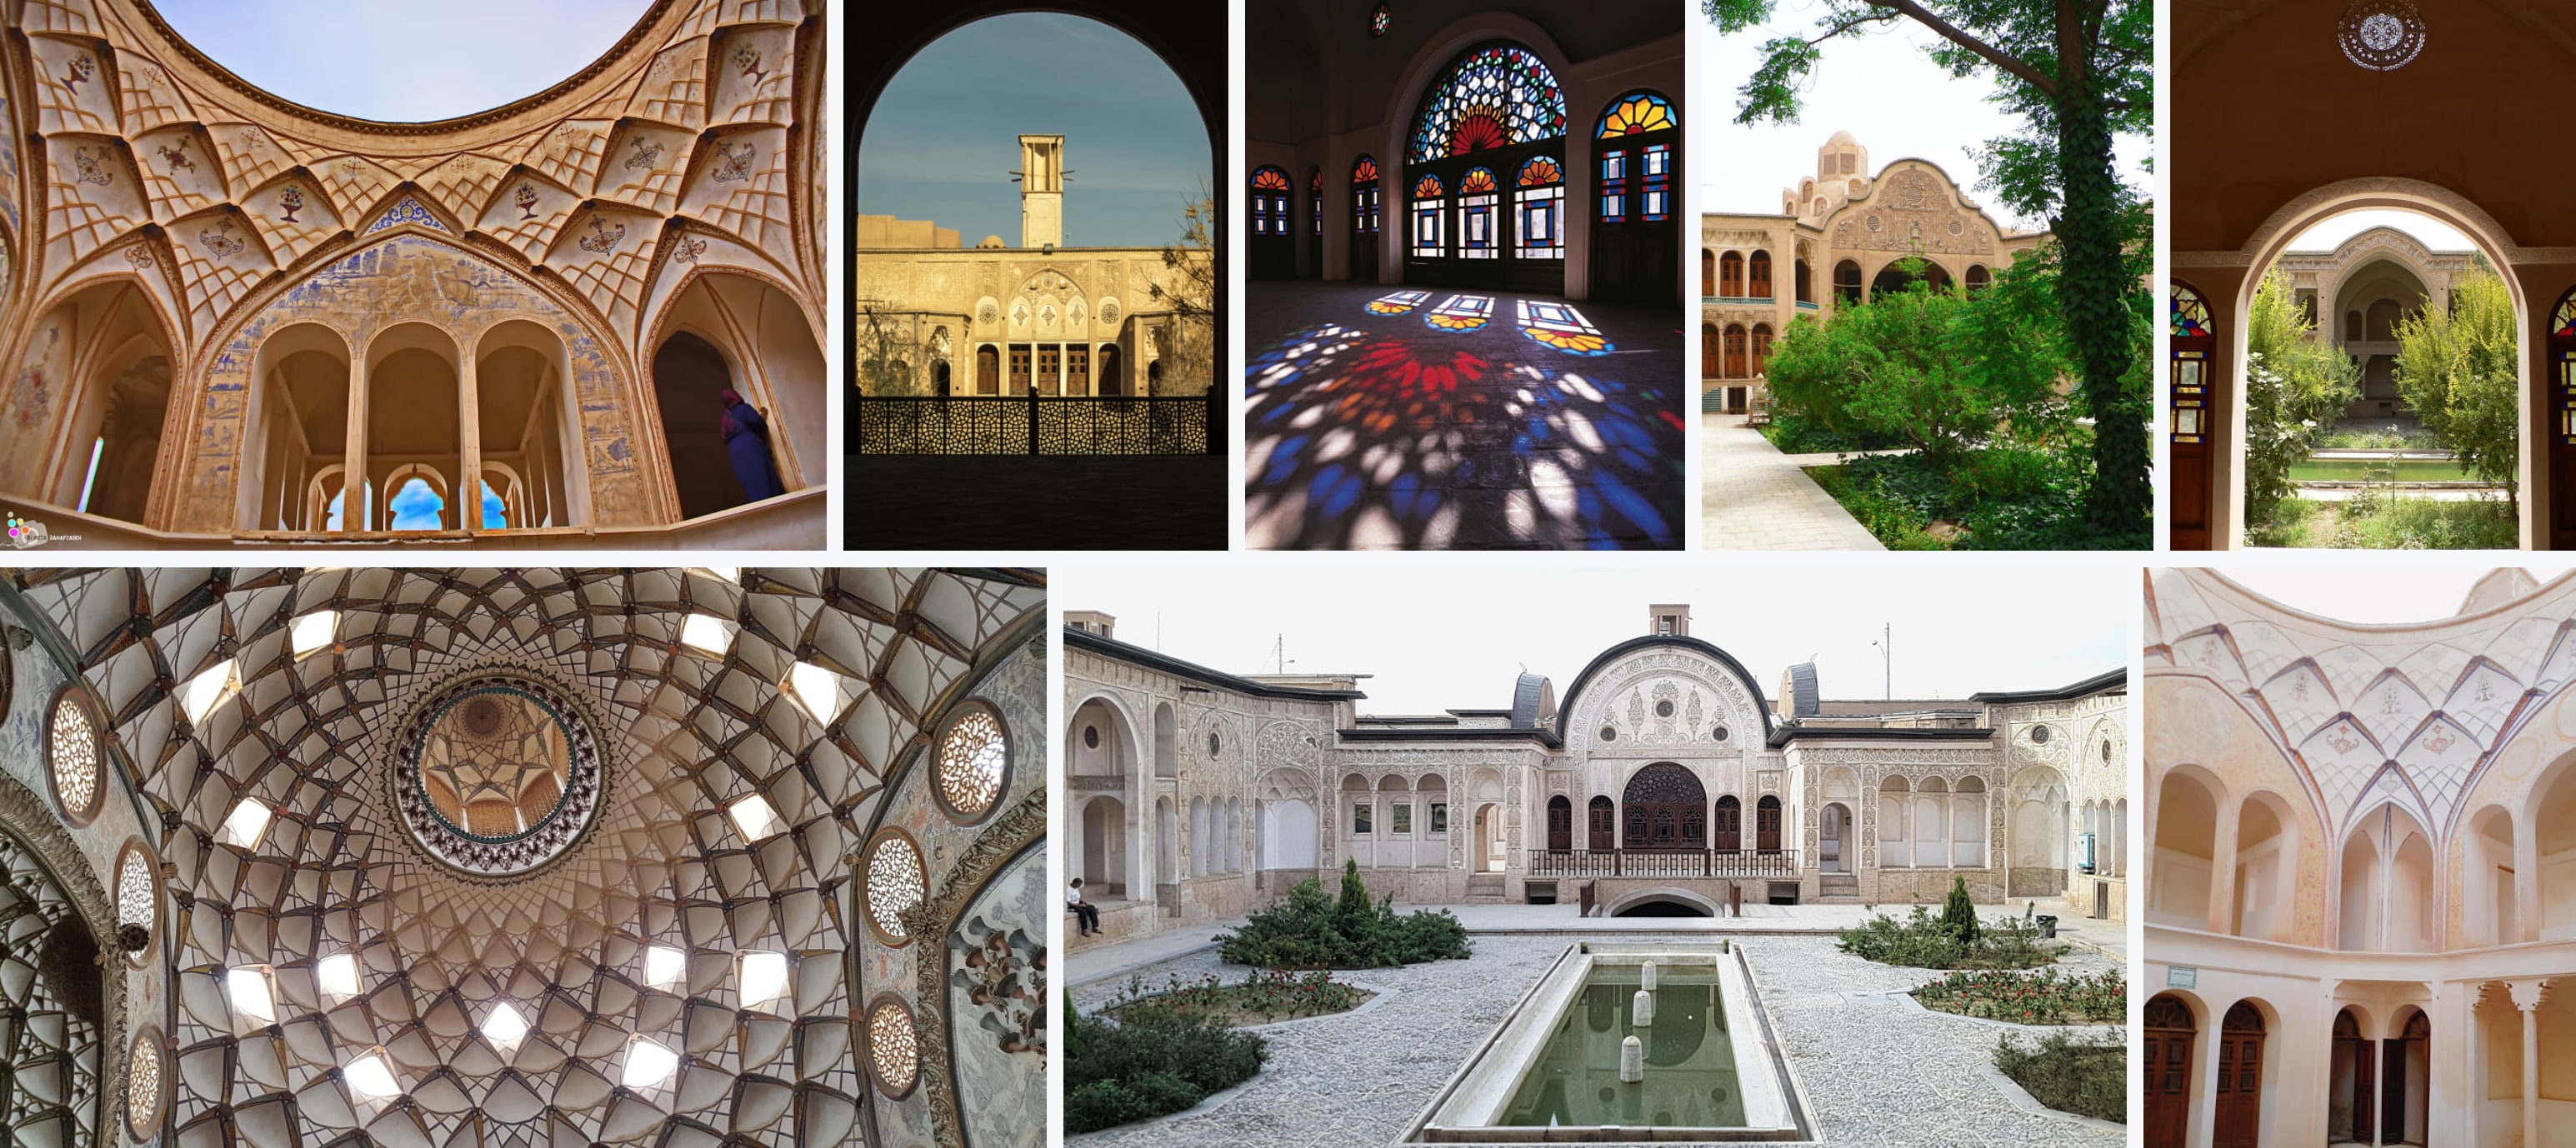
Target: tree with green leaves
885,359
2076,72
1188,350
1959,912
2295,386
1935,367
2458,368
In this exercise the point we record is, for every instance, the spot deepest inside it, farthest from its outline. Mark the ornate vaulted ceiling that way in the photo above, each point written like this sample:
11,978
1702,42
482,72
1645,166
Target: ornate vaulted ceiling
686,731
2410,715
690,145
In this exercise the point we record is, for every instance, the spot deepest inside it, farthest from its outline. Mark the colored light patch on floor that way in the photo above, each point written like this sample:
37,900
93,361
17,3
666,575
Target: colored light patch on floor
1461,313
1398,303
1562,327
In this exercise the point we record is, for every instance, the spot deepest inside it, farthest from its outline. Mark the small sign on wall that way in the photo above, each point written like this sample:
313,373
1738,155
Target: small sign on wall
2179,977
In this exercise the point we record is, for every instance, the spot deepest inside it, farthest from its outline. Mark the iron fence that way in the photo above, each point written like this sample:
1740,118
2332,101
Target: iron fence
1037,425
1664,863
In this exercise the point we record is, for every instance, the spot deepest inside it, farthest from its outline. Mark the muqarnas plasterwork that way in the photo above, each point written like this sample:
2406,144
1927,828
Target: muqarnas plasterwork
997,972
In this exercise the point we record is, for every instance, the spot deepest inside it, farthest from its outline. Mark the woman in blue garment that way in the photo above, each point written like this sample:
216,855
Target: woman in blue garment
746,439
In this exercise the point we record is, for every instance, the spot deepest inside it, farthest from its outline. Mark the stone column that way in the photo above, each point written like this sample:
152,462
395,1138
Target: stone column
468,499
2526,997
353,471
2222,872
2526,886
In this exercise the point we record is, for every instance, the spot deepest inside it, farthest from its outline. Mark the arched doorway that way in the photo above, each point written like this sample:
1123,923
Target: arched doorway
1314,223
1274,252
2240,1078
2192,345
1709,361
1487,856
1560,823
1637,143
1730,275
1167,847
1664,808
1707,274
2562,422
2165,1057
2351,1084
1890,280
1103,859
1602,817
2405,1080
1729,836
1365,193
688,372
1829,837
2178,880
1766,824
91,402
1846,282
1735,351
1495,108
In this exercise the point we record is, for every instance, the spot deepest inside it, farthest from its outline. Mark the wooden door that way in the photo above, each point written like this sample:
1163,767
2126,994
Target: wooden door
1315,224
1766,825
1730,824
2240,1078
1666,809
1020,369
1364,220
1636,221
988,371
1604,827
2191,424
1560,823
2349,1087
2167,1053
1274,245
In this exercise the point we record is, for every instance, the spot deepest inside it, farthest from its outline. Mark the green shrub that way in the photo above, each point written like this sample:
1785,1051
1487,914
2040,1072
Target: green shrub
1154,1059
1925,941
2045,997
1311,931
1264,996
1959,914
1797,432
2374,521
2085,1076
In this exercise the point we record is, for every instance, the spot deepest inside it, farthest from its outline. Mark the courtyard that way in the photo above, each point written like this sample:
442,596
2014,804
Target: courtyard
1858,1048
1435,418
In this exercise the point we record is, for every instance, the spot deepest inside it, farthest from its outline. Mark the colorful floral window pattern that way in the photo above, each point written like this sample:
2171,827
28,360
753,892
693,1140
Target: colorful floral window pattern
1492,97
1636,114
1461,313
1539,210
1478,238
2564,323
1426,217
1560,326
896,883
974,758
1315,201
2191,316
72,746
1269,201
1379,18
1364,191
894,1047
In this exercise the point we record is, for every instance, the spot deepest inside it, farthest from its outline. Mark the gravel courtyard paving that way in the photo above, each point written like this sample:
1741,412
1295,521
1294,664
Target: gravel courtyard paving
1873,1073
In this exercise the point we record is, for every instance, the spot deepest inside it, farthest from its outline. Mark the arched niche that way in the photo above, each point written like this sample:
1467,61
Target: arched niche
2490,910
413,418
2384,885
727,330
299,426
2267,868
527,437
2186,827
88,403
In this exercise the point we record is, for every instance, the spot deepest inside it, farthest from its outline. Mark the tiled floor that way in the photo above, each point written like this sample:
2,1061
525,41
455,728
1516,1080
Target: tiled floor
1752,497
1453,419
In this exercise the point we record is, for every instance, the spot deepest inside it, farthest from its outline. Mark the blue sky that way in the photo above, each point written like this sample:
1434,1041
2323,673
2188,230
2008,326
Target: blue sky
355,57
945,136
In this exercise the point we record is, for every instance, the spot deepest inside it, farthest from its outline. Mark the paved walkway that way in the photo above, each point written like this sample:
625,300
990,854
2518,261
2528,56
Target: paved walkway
1115,961
1755,498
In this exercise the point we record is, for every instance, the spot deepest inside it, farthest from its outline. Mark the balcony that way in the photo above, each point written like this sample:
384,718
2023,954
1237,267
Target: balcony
1665,863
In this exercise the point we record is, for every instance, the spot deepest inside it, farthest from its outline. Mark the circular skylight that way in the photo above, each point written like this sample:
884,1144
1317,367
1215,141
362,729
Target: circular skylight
341,58
496,774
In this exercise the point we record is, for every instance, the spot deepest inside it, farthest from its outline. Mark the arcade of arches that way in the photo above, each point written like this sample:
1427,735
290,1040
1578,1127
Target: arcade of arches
2362,838
232,319
755,857
1664,779
2243,189
1837,231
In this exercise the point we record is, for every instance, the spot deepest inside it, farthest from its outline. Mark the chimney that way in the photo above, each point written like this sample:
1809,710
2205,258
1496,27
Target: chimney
1091,622
1041,192
1668,621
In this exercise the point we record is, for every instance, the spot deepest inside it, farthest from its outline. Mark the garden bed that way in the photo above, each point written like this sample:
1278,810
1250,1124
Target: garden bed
1264,997
1151,1061
2088,1077
2375,520
2002,497
1925,941
2044,998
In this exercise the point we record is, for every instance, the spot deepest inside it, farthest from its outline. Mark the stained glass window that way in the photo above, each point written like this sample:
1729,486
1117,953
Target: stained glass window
894,1047
1378,20
973,760
1426,217
1269,201
73,748
1315,201
1364,192
1477,235
1655,201
2190,315
1539,210
896,883
1614,187
1492,97
2565,321
1635,114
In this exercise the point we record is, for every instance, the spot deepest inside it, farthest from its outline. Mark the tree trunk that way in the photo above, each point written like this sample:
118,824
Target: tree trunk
2094,286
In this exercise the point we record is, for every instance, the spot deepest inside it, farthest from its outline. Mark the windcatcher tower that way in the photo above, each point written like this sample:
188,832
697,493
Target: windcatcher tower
1041,191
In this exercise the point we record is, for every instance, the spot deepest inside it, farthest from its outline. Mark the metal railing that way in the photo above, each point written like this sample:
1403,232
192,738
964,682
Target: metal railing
1663,863
1037,425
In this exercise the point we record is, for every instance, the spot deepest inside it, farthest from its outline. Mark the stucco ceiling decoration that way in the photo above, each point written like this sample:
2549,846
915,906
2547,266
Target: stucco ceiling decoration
2372,713
693,717
2381,35
680,142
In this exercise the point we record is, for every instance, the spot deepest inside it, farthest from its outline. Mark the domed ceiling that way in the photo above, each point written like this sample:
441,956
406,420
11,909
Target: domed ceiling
713,867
